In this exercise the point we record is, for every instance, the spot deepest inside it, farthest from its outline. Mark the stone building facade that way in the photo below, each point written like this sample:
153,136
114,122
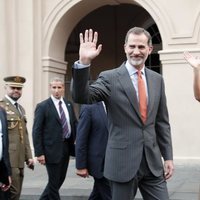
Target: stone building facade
39,39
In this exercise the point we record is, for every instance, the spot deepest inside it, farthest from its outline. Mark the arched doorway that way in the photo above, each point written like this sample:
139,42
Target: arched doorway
112,23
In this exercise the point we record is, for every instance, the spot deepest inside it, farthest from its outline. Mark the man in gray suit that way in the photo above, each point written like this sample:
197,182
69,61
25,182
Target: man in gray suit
137,142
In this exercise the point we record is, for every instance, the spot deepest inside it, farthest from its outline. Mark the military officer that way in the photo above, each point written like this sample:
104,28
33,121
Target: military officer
19,146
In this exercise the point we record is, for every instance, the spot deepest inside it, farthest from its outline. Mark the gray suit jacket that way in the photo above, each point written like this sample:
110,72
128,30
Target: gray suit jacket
128,136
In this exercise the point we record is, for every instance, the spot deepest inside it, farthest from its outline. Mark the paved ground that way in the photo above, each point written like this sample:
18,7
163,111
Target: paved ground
184,185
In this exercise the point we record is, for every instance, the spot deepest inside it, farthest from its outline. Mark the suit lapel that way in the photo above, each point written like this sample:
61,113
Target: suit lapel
127,85
53,109
55,112
68,105
2,117
3,128
102,112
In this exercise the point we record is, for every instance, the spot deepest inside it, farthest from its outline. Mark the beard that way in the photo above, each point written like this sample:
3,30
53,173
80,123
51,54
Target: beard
136,62
14,97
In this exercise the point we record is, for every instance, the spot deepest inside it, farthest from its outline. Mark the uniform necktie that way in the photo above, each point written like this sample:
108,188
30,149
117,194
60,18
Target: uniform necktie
20,126
63,121
142,97
17,106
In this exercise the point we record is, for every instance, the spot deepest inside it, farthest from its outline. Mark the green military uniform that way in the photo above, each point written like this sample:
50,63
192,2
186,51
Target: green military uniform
19,146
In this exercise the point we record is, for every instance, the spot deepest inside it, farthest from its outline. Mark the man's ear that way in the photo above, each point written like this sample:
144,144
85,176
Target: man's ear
125,48
150,49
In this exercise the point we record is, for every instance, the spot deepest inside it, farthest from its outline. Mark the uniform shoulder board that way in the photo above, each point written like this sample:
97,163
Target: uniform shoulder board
1,105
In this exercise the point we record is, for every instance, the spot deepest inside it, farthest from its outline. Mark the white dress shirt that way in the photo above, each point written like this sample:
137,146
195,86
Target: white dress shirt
134,77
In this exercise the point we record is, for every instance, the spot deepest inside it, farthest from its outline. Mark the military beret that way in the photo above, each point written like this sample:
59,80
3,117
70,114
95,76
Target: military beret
15,81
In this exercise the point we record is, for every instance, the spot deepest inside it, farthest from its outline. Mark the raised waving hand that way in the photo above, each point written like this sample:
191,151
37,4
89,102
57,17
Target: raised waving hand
193,61
88,47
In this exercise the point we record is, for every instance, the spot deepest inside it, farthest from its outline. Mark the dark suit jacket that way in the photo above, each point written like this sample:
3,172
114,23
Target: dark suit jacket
5,168
129,138
91,140
47,131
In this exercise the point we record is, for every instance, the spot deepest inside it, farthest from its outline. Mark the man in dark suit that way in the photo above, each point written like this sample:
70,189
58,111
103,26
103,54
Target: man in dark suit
53,137
139,129
91,141
5,168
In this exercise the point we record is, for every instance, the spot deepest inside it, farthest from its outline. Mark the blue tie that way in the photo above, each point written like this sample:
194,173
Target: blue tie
63,121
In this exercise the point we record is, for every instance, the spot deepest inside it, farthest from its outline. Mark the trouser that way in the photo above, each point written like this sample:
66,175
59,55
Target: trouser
16,185
101,189
3,195
150,186
56,175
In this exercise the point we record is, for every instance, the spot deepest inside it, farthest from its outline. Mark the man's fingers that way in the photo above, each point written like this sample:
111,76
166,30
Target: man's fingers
95,39
81,38
86,36
187,55
99,49
82,175
90,35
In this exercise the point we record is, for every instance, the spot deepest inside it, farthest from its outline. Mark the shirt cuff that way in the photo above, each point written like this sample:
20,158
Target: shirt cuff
78,65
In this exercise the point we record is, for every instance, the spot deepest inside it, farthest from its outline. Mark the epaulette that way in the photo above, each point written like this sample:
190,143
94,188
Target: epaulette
2,106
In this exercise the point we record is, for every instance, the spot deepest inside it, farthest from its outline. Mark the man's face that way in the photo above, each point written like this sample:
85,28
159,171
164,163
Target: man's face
137,50
57,89
13,92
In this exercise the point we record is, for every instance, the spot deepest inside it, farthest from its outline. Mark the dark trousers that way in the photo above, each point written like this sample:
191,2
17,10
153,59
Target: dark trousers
4,195
56,176
101,190
3,180
151,187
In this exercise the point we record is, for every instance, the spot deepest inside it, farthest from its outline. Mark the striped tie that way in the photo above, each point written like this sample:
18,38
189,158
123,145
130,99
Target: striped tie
63,121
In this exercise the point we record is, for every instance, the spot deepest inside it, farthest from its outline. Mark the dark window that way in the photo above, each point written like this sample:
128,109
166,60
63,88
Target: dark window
153,61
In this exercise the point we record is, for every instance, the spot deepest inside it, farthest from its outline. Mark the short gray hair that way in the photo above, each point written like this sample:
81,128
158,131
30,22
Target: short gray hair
57,79
139,31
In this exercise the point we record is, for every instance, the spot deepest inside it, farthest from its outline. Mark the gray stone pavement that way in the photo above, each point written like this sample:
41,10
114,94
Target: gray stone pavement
184,185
